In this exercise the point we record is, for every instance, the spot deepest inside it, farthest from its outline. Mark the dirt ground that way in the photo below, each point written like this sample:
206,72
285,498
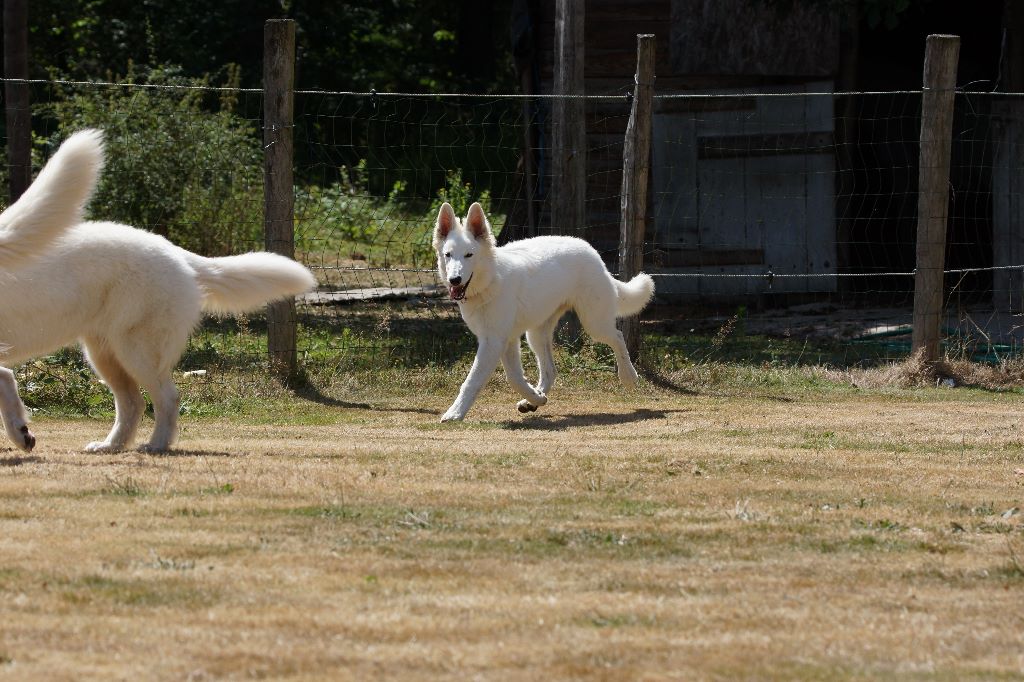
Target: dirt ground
680,533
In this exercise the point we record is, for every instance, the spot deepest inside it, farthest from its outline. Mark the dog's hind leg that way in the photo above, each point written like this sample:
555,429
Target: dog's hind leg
488,354
166,404
150,360
512,360
15,415
601,327
128,402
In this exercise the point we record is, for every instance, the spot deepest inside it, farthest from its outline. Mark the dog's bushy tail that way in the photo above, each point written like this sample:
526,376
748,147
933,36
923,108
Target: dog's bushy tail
241,284
634,295
54,202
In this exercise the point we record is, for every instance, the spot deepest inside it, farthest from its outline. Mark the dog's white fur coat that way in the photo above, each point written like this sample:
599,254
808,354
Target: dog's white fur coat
526,286
131,298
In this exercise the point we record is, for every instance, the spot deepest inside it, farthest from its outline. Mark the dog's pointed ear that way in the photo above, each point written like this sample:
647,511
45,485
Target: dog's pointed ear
477,224
445,224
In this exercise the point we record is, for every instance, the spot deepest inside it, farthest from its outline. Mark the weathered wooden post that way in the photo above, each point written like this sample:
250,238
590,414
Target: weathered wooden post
636,168
278,191
569,135
940,67
568,126
19,116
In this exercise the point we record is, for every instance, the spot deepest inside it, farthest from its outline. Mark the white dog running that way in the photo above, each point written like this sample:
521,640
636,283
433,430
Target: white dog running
132,298
527,286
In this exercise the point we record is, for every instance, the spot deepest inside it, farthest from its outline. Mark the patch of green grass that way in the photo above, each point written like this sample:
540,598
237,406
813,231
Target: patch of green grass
598,542
511,460
618,620
134,592
325,512
9,576
128,486
856,544
191,512
635,507
223,489
825,440
170,563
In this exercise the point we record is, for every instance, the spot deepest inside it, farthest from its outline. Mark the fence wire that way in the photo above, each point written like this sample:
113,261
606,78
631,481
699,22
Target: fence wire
782,222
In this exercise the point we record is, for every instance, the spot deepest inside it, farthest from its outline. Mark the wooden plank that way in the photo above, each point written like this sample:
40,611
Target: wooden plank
1013,35
733,146
1008,206
674,180
940,67
18,111
700,105
776,206
278,187
801,39
821,255
638,10
568,136
671,257
636,166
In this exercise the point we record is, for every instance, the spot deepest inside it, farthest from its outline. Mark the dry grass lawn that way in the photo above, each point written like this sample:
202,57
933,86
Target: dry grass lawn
775,531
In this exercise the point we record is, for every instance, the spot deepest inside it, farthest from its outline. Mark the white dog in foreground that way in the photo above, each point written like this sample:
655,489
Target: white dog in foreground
131,298
51,205
527,286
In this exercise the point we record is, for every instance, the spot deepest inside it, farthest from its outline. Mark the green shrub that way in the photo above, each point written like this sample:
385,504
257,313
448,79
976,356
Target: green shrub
459,194
346,221
174,166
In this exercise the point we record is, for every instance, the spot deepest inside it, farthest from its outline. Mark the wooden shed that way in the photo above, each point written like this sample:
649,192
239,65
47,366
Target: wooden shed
739,184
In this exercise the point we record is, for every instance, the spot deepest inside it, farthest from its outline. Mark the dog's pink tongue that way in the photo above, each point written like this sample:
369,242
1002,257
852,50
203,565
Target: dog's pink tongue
457,291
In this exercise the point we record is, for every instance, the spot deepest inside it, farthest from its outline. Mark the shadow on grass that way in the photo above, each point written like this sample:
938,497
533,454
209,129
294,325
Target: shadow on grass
655,378
314,395
141,458
18,460
568,421
658,380
189,452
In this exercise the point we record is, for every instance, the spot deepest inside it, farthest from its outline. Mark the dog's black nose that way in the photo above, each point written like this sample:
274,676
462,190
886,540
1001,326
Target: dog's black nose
455,281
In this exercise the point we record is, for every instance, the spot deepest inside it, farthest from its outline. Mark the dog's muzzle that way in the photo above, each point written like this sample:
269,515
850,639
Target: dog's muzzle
458,291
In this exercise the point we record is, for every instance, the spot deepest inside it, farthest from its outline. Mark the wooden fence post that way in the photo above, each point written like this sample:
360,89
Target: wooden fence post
19,116
636,167
568,125
278,190
940,67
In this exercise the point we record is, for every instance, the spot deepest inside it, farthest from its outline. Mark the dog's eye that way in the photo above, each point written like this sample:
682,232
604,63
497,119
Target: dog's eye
448,255
469,255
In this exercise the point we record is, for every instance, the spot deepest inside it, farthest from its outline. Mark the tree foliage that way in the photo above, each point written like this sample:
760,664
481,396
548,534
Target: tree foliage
421,45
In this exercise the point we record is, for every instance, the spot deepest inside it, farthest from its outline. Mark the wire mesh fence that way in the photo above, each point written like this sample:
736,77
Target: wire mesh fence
781,224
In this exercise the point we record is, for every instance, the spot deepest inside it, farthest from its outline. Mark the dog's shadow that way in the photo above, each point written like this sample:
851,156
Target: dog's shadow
542,422
189,452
